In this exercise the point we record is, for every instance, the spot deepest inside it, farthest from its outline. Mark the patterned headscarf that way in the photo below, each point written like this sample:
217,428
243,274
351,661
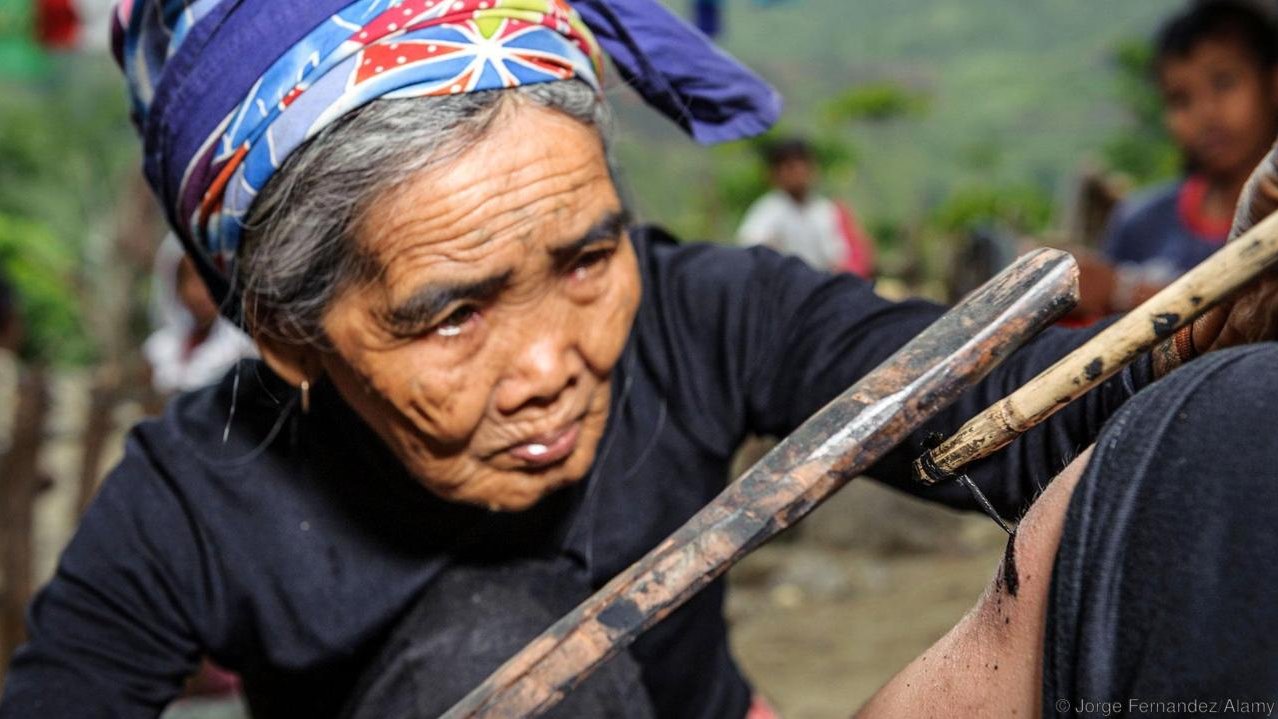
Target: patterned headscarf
224,90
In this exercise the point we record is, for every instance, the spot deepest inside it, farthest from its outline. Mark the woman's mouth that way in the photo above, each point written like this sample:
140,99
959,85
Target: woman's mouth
549,448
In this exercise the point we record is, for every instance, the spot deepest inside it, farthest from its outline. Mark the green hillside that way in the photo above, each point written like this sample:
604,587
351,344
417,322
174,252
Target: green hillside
1019,92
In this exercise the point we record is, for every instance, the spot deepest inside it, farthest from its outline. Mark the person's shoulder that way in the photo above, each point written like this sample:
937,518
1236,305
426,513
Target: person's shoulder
770,200
1142,222
758,222
703,290
182,446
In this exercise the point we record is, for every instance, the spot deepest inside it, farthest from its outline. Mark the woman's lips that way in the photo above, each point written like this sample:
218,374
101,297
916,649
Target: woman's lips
548,449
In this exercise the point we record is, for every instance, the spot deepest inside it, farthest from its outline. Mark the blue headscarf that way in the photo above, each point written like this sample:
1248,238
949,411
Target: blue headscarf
224,90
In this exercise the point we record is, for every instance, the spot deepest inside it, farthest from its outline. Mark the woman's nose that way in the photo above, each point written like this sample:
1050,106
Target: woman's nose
539,373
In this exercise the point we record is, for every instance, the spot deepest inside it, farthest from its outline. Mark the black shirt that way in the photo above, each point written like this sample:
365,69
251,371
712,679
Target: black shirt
287,549
1162,591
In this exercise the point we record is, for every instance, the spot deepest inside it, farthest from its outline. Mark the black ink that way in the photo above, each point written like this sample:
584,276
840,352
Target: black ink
1010,578
1165,323
1093,369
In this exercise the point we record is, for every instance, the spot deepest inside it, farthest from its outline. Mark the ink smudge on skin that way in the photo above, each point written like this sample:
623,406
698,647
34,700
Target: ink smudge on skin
1011,579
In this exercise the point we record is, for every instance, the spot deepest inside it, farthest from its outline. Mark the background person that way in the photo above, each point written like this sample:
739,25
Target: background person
193,345
1216,65
794,219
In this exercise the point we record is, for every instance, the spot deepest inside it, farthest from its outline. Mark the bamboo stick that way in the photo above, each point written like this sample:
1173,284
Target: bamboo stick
1178,304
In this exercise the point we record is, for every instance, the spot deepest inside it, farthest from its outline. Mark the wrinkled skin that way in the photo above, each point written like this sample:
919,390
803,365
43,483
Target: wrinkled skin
482,351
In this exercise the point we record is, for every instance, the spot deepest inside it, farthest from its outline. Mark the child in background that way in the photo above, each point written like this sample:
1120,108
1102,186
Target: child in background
193,345
795,219
1217,69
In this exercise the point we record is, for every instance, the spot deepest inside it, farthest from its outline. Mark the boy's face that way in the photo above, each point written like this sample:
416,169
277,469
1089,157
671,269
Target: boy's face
1221,106
795,175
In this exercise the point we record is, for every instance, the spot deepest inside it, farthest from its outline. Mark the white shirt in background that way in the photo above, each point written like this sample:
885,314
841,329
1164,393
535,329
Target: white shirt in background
174,369
809,231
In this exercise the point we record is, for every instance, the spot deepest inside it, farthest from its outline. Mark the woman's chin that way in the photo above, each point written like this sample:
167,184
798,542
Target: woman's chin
513,490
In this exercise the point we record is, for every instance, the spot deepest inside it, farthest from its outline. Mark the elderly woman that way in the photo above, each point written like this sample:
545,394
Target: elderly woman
483,392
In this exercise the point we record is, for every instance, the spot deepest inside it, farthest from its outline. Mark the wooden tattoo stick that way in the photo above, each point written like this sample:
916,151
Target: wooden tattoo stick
1178,304
838,443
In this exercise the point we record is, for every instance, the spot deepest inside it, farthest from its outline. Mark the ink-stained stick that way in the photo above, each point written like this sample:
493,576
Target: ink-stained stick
1211,282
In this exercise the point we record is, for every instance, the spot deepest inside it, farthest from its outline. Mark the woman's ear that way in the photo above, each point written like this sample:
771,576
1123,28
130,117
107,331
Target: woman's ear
293,361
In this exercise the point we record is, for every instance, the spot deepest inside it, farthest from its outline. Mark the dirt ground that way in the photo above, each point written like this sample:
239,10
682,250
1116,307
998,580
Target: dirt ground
821,620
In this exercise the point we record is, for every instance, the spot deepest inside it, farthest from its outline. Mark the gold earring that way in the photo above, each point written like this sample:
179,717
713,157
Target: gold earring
306,396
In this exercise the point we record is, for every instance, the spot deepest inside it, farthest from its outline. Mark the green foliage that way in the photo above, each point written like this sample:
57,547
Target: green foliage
65,145
42,271
20,56
1024,208
1142,150
875,102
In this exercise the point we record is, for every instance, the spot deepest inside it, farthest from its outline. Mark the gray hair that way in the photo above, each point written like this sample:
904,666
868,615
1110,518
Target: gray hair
299,247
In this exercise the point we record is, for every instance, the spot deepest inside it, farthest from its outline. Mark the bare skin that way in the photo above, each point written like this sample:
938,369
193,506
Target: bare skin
991,662
482,352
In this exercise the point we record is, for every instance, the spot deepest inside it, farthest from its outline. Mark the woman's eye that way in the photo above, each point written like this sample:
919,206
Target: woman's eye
590,261
455,323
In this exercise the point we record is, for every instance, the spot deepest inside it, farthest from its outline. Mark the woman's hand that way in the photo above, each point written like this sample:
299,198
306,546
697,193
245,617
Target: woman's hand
1252,314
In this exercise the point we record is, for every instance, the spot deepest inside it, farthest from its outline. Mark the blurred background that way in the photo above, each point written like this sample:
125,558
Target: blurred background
960,131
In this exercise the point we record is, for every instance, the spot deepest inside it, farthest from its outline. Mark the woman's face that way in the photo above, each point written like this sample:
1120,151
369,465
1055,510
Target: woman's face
482,351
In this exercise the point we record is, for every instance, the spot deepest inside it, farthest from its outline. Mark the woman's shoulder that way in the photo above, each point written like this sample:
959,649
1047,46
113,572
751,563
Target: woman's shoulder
202,435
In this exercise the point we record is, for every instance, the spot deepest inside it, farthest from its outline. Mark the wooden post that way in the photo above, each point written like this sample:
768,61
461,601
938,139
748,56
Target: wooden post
97,426
19,482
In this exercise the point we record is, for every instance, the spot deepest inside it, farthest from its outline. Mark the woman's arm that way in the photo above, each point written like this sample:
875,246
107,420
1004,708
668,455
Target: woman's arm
765,341
991,662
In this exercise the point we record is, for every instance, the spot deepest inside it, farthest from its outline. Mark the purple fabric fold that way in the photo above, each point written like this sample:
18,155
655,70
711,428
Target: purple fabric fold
680,72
